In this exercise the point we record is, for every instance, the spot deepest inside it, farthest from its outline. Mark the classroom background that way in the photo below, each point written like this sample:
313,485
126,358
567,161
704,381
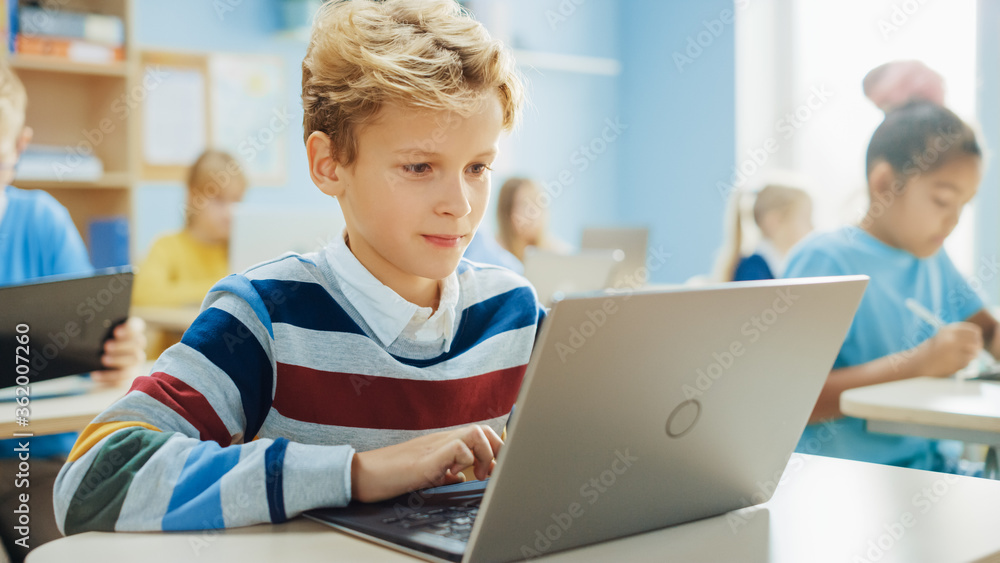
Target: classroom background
642,112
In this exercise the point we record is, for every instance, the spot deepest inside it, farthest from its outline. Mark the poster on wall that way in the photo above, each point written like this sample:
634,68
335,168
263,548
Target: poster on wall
231,102
251,114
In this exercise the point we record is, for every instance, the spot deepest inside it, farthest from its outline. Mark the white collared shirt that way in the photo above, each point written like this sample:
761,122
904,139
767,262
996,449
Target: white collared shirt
385,311
3,202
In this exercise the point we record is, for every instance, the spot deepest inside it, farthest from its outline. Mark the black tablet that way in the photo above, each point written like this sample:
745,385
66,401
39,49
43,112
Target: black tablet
57,326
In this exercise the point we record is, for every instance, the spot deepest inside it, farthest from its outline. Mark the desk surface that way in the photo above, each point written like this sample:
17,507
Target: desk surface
942,402
825,510
64,414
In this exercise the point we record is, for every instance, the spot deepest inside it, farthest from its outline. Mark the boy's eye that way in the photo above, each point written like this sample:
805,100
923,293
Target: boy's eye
418,168
941,203
479,168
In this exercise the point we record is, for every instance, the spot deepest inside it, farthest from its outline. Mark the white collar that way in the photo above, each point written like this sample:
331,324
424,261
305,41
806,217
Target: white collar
385,311
3,203
775,261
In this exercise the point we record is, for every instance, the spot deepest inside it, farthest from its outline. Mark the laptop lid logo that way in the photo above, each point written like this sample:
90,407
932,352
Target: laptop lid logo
683,418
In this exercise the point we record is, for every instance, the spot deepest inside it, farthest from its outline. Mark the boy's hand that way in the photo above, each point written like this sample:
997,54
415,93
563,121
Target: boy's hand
951,349
429,461
124,353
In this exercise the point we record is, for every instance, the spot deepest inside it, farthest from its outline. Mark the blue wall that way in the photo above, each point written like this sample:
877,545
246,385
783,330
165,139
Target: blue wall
251,27
660,171
681,137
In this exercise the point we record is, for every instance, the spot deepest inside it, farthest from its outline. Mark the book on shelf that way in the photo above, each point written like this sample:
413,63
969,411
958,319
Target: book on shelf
109,241
94,28
8,23
70,49
58,164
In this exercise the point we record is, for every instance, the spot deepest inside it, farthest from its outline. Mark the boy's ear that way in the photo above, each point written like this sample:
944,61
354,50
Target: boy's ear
882,179
323,167
27,133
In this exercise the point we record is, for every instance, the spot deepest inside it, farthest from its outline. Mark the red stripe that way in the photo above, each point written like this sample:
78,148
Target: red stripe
358,401
187,402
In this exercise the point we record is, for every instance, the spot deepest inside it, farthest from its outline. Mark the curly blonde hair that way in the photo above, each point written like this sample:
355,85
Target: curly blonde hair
13,105
416,53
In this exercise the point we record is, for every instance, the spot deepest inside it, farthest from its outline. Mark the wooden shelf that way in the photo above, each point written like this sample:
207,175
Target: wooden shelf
111,180
54,64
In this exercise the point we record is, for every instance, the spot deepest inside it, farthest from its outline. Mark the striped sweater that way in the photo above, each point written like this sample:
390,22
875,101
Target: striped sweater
255,416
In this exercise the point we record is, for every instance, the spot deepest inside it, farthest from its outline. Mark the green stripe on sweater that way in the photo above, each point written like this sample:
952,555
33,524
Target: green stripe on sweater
98,500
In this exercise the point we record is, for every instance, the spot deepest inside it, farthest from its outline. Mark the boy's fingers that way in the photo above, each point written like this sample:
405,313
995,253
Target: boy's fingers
482,449
495,441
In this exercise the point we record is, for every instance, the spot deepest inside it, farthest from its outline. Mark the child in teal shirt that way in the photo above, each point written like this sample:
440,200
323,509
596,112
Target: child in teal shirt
924,166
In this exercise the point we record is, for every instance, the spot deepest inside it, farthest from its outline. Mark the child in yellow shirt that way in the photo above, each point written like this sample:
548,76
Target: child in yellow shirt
182,267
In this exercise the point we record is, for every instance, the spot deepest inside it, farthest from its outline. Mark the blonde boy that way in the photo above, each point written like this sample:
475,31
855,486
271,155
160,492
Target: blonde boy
379,365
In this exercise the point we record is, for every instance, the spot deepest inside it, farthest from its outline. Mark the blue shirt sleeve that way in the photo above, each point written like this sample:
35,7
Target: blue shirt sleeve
69,254
811,261
961,299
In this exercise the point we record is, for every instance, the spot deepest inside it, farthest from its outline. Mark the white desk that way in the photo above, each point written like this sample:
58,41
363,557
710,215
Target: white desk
64,414
945,409
825,510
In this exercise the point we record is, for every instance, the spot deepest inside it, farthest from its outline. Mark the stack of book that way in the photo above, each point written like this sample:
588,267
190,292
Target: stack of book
76,36
58,164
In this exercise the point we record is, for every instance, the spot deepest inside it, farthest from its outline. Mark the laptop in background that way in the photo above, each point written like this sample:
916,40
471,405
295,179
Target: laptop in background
555,275
263,232
632,241
56,326
637,411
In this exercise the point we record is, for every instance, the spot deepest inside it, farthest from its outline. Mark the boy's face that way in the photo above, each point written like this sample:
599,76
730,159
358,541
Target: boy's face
930,204
418,189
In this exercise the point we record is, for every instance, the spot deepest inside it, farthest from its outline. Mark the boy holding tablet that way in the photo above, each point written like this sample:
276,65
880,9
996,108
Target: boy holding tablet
379,365
38,239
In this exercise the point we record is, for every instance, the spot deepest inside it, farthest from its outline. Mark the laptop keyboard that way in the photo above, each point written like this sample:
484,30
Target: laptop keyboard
453,522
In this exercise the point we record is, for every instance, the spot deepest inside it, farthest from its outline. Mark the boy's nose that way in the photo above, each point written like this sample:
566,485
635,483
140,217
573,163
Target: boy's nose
454,198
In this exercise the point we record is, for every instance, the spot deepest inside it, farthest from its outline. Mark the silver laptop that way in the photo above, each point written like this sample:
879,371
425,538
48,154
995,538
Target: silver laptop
637,411
263,232
631,241
556,276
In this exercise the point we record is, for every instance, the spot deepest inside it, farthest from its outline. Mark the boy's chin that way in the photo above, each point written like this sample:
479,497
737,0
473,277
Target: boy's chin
439,270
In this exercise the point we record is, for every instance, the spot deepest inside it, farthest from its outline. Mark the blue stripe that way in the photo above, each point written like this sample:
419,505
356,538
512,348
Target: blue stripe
274,463
229,344
305,305
512,310
241,287
196,503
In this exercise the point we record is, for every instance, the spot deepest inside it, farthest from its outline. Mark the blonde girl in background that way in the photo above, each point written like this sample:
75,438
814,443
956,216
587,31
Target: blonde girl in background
522,219
783,215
